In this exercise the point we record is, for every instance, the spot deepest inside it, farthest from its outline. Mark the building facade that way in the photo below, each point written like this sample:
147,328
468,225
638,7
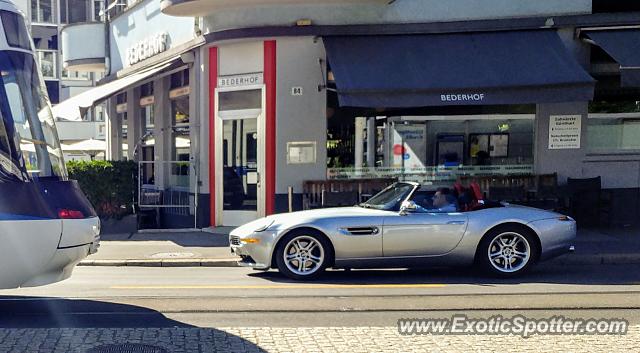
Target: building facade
231,107
46,18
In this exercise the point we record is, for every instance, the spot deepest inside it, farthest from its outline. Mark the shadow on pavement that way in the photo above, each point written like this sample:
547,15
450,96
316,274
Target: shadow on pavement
43,312
185,239
78,325
548,273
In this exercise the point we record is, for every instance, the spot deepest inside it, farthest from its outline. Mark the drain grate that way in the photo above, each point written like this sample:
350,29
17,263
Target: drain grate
172,255
127,348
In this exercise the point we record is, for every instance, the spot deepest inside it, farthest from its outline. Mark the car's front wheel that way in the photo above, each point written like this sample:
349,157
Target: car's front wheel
507,252
303,255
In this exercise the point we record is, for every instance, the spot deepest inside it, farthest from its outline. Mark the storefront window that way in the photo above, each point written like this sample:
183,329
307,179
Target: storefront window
613,126
611,133
121,111
148,142
180,139
148,117
434,149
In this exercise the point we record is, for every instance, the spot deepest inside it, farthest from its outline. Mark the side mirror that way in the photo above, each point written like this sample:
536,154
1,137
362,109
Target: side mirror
407,207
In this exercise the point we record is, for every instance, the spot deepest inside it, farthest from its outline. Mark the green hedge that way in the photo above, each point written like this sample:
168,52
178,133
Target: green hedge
110,186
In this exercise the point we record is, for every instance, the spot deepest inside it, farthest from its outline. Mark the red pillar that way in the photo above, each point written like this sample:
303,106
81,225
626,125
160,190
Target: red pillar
270,125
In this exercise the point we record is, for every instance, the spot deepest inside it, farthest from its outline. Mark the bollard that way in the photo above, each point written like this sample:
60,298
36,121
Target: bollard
290,195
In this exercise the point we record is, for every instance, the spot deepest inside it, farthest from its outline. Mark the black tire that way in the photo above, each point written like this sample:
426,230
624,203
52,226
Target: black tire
323,248
518,264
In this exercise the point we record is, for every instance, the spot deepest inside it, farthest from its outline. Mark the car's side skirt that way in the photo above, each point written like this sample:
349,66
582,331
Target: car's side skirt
402,262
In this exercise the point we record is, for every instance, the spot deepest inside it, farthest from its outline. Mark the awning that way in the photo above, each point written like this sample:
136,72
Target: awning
75,107
90,145
402,71
623,45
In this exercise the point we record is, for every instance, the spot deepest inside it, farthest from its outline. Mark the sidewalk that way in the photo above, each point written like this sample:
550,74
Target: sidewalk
164,249
189,249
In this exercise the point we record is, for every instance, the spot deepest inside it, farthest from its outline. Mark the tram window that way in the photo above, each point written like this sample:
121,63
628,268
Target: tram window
27,117
15,30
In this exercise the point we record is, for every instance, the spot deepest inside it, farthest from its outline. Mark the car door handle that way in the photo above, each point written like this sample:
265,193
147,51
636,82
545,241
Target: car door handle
456,222
360,230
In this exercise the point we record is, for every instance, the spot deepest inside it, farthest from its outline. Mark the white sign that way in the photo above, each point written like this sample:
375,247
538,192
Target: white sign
564,131
147,48
474,97
179,92
296,91
241,80
121,108
409,145
301,152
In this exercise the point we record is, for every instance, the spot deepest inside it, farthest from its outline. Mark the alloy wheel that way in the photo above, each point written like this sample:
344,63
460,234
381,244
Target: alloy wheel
509,252
303,255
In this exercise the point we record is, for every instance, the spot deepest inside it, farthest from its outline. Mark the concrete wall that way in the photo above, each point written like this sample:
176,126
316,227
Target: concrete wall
300,118
80,130
142,21
404,11
565,162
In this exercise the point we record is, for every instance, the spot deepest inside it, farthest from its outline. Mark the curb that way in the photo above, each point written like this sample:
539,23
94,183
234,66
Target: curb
594,259
230,262
571,259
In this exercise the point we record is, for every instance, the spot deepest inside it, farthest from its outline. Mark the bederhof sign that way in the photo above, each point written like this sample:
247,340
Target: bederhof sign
147,48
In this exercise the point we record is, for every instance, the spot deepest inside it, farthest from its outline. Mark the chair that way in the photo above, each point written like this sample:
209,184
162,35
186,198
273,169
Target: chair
586,202
147,215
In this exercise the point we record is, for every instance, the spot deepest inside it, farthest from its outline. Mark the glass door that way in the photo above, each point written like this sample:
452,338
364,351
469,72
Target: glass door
240,175
239,156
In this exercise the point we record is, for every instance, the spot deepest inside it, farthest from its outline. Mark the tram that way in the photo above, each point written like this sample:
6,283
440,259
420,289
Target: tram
47,225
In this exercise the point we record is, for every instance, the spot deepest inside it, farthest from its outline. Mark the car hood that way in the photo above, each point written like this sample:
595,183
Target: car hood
286,220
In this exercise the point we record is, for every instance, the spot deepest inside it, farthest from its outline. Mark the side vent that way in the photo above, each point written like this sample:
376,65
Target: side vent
360,230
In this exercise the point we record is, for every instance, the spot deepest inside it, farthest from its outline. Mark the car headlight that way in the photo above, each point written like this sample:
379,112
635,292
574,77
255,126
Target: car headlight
264,226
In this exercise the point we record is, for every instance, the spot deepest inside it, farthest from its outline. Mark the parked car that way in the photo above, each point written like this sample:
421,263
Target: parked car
391,230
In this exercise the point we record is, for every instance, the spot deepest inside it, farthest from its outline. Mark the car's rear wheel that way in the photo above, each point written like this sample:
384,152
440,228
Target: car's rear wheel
303,255
507,252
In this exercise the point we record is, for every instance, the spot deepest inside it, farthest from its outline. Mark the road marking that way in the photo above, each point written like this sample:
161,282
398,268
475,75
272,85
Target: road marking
284,286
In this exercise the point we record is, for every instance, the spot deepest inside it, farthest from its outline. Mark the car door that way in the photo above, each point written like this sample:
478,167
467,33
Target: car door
359,237
422,234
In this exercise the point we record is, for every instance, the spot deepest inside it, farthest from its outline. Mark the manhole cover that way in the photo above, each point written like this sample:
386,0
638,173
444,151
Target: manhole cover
127,348
173,255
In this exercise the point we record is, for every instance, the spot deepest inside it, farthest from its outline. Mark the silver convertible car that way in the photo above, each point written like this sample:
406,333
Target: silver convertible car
400,227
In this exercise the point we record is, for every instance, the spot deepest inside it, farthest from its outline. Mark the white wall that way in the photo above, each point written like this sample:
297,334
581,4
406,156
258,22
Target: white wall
300,118
83,41
80,130
402,11
141,22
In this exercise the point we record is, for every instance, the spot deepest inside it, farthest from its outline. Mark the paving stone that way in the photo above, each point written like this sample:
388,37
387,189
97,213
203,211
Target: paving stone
326,339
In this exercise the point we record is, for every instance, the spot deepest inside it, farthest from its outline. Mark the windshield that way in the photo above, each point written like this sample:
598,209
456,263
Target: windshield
390,198
29,145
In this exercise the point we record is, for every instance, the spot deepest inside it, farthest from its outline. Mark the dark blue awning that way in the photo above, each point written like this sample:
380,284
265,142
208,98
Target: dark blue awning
624,46
403,71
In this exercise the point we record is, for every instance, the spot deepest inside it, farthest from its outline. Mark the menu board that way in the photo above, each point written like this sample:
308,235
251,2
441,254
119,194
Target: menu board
564,132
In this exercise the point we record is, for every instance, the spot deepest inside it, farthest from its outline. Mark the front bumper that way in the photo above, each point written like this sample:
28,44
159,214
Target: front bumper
256,255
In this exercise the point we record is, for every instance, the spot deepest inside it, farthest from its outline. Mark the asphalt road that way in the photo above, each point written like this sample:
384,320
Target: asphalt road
215,297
